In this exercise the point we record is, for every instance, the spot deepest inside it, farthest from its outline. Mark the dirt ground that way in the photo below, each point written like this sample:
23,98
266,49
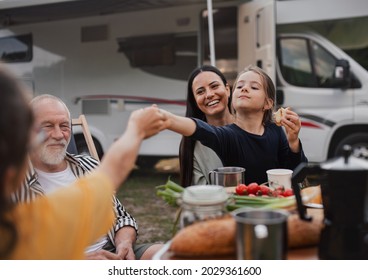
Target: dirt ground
138,195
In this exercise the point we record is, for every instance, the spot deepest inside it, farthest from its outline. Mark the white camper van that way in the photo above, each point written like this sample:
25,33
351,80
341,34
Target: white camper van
104,64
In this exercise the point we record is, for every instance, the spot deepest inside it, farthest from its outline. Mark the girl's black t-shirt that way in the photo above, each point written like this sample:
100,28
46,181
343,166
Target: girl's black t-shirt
257,154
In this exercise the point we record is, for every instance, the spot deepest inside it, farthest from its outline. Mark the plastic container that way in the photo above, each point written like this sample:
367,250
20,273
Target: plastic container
202,202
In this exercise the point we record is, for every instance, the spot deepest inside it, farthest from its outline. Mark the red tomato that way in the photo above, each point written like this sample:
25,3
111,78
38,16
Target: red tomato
288,192
265,190
253,188
274,193
241,189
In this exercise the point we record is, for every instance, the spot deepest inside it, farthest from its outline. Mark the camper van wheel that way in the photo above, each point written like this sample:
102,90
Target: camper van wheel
358,143
83,148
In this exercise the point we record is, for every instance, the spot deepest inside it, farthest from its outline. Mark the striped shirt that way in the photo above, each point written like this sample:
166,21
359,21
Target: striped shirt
80,165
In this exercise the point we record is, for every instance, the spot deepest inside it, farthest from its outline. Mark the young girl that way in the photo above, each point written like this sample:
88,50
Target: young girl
253,141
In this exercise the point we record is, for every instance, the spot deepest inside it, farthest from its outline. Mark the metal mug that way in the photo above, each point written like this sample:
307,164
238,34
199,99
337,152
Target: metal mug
261,234
229,176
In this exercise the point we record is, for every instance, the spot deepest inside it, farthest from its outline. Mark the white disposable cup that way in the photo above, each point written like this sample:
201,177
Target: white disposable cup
279,177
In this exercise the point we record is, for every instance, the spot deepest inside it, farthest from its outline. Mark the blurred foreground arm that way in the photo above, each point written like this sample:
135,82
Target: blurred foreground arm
119,160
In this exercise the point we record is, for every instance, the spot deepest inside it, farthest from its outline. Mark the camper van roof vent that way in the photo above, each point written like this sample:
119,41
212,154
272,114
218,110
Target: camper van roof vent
94,33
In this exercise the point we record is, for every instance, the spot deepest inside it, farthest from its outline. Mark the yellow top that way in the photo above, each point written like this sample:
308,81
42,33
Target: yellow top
63,224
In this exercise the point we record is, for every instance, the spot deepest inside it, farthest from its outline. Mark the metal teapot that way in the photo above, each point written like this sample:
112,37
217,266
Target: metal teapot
344,189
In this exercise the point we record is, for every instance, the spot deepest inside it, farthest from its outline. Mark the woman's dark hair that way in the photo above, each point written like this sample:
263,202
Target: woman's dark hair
187,145
16,120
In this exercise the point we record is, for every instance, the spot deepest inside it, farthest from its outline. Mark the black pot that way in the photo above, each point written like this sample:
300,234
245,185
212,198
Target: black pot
344,188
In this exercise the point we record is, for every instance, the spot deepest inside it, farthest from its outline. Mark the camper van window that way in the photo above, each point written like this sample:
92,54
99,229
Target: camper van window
168,55
324,64
305,63
16,48
345,33
296,67
148,50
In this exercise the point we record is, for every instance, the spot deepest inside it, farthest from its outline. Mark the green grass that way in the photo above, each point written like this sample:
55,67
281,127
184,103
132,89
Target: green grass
154,217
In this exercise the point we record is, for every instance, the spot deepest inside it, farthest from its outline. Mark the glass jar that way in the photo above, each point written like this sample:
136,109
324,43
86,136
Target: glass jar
202,202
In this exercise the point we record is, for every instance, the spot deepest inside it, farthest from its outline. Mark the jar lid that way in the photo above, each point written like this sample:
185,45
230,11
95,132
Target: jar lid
204,194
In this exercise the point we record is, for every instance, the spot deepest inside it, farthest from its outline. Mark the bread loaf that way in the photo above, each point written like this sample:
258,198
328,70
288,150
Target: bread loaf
216,237
304,233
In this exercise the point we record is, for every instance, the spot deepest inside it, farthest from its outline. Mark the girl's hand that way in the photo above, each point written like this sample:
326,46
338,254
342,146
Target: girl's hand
292,124
182,125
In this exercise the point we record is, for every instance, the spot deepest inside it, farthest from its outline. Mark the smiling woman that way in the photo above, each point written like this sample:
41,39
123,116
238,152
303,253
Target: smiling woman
208,99
253,142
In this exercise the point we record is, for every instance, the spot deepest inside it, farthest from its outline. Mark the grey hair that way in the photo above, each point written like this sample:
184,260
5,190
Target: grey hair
41,97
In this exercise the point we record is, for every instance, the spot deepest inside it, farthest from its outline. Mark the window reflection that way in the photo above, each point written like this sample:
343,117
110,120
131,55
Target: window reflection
16,48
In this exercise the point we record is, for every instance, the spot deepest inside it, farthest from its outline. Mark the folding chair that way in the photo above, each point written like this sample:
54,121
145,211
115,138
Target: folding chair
81,120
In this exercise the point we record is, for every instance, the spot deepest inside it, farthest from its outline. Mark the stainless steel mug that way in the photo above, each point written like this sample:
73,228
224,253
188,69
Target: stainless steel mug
229,176
261,234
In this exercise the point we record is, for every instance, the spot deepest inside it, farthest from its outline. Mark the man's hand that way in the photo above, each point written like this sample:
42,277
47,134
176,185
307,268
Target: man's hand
124,240
125,251
102,255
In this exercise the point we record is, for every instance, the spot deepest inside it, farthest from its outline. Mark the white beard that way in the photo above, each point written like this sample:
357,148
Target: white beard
54,156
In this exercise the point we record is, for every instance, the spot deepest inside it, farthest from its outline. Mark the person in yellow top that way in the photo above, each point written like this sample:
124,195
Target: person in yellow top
83,210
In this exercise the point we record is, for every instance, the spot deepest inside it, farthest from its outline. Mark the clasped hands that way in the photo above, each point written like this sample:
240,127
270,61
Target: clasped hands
151,120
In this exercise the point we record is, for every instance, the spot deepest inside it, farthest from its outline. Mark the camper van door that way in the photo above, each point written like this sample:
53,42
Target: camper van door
256,35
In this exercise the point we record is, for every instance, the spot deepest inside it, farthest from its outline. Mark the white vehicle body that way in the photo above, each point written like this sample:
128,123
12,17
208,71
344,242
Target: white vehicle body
332,114
105,66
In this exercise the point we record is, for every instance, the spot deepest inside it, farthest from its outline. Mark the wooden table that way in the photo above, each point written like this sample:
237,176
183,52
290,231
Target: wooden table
308,253
305,253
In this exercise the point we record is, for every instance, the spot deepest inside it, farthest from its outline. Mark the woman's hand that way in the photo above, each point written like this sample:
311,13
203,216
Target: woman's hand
292,124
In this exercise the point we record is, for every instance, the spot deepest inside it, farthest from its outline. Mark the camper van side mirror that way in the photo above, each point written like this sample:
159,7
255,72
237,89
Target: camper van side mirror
342,73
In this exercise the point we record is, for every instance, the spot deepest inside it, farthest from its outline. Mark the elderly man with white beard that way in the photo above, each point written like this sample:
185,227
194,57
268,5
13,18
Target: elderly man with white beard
51,167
